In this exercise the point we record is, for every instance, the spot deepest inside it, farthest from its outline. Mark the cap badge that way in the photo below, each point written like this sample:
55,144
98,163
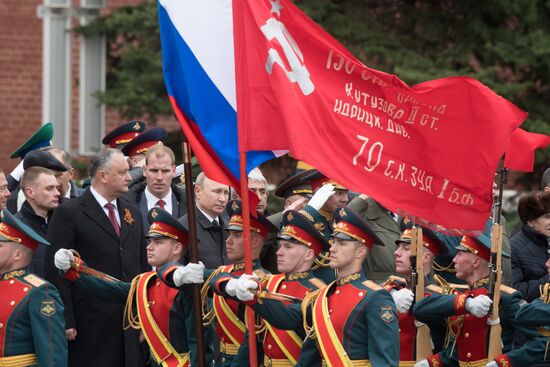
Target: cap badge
136,126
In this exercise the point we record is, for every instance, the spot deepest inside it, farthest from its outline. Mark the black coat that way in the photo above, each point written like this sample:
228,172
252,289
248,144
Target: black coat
211,241
40,226
82,224
137,197
529,254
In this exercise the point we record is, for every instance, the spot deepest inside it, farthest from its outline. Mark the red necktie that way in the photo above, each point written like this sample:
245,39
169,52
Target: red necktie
161,203
112,217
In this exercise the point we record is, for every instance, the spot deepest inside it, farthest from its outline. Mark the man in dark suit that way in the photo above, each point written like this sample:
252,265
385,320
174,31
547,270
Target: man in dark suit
211,199
157,190
107,231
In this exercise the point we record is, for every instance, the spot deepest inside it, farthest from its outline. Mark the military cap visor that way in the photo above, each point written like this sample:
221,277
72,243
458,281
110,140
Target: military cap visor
350,227
297,228
295,185
144,141
480,245
260,224
13,229
317,180
41,138
40,158
430,240
164,225
123,133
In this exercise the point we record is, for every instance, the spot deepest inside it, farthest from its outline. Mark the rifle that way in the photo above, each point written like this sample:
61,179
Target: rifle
423,339
495,278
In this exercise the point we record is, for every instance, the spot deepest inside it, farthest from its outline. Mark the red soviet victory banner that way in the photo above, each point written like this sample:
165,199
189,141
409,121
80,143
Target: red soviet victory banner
430,150
520,153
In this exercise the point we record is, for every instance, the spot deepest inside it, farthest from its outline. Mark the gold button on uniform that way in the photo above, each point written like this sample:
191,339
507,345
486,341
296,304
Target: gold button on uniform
283,286
1,325
337,291
466,335
468,354
12,281
269,346
12,303
25,289
360,294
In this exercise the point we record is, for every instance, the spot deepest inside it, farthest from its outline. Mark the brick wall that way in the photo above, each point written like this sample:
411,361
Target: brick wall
21,77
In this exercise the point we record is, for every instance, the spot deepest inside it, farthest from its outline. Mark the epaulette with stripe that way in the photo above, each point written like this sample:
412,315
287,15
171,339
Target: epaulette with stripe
372,285
506,289
34,280
436,289
317,283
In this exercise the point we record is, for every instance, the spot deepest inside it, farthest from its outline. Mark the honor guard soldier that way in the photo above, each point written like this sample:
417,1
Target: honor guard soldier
467,314
537,314
136,148
355,321
282,339
295,191
163,314
403,295
228,312
32,327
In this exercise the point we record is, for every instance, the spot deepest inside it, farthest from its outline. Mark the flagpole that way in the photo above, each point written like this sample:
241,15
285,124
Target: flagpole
251,321
193,249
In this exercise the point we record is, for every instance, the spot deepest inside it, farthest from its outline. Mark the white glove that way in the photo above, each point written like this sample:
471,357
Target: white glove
422,363
478,306
190,273
18,171
491,364
62,259
321,196
245,284
403,299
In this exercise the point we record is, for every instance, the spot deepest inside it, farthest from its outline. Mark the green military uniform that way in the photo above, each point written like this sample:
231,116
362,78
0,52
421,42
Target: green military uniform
32,327
355,322
228,312
281,346
168,322
407,325
470,332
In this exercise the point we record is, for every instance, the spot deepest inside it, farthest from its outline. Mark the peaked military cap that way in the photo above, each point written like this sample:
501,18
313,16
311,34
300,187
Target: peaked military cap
13,229
431,241
39,139
297,228
123,133
144,141
260,224
40,158
317,180
164,225
480,245
349,226
295,185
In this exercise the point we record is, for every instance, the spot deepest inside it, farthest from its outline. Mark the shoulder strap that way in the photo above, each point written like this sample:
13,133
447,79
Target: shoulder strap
372,285
318,283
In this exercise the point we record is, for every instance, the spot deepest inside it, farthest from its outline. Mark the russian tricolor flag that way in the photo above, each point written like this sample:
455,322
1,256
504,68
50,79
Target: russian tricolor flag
199,72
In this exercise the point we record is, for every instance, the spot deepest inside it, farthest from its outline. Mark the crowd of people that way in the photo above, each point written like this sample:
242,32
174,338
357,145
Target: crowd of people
100,275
